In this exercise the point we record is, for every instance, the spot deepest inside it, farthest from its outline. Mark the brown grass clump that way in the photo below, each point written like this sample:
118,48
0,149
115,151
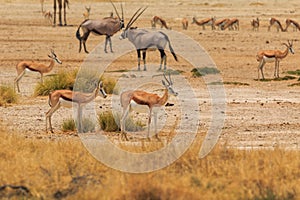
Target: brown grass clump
56,169
7,95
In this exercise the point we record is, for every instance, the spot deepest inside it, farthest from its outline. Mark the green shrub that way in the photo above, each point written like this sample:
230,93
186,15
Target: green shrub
68,125
197,72
7,95
110,123
61,80
109,85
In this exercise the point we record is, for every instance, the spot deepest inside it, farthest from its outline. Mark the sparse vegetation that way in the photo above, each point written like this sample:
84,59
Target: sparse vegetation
110,122
229,83
61,80
296,72
68,125
285,78
110,85
7,95
197,72
65,169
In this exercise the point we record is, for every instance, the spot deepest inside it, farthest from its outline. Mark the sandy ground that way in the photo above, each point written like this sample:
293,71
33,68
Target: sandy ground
259,114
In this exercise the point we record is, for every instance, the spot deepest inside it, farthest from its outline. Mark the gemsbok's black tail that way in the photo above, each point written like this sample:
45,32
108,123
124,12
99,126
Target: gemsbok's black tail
170,46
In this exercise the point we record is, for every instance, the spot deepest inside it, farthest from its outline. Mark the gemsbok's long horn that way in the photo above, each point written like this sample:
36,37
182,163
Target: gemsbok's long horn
115,9
138,16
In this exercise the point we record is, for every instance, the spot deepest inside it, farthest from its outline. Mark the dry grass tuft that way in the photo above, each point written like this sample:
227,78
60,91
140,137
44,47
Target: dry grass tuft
7,95
64,169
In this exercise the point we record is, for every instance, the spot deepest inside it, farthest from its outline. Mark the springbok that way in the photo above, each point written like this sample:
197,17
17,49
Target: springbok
185,23
268,56
65,4
86,14
158,20
67,98
143,39
255,24
48,15
220,23
232,24
205,22
275,22
107,26
24,66
292,22
132,98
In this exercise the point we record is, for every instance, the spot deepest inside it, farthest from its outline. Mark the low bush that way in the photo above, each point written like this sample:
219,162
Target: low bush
7,95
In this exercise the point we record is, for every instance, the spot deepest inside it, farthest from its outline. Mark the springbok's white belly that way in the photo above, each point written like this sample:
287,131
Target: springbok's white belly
269,60
65,103
138,108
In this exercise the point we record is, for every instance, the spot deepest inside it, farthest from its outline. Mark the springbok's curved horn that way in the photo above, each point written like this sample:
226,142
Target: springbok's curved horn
167,79
171,82
135,18
115,10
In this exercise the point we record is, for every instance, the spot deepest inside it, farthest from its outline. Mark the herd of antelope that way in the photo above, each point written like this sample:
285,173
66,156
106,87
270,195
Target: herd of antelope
142,39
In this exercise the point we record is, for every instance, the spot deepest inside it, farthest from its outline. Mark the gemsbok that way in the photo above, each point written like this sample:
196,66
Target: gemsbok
158,20
107,26
205,22
275,22
33,66
232,24
255,24
143,39
64,4
185,23
268,56
293,23
133,98
67,98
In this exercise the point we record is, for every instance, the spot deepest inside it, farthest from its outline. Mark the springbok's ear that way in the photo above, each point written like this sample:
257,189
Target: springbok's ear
49,56
163,82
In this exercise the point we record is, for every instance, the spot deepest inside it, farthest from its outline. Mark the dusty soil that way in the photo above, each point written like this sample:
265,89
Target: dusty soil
262,114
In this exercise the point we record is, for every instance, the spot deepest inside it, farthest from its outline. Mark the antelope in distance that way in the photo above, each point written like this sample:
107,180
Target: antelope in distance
268,56
205,22
255,24
158,20
24,66
86,14
185,23
65,4
47,15
107,26
220,23
67,98
231,24
143,39
133,98
275,22
292,22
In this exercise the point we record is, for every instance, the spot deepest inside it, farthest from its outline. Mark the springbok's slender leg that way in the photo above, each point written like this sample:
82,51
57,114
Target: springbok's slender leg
79,118
149,122
144,59
260,68
17,79
122,121
49,114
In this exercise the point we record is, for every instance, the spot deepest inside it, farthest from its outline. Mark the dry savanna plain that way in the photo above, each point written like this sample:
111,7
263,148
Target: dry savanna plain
257,155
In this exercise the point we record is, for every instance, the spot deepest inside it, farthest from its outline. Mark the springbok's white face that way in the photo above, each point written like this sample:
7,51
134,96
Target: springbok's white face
291,49
54,57
101,90
169,86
